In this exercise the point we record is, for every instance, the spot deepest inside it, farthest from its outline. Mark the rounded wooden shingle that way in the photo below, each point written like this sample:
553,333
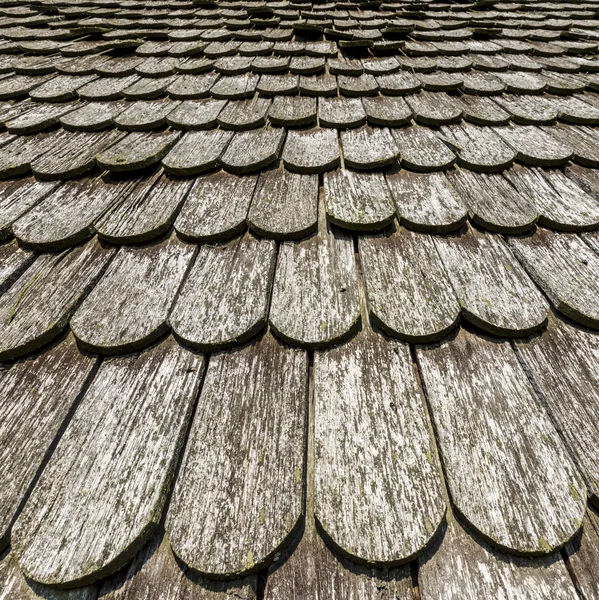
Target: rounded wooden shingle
421,150
368,148
341,112
311,151
252,150
197,151
387,111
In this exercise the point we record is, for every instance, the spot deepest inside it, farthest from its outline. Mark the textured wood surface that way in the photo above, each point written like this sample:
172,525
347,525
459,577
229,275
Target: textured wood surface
377,486
387,111
341,112
155,573
216,207
583,557
311,151
285,205
368,148
40,303
534,146
566,269
315,294
581,139
355,200
224,300
292,111
130,305
196,114
239,498
197,151
13,262
47,387
244,114
506,467
406,299
482,111
252,150
493,289
434,108
421,150
92,117
102,493
459,567
426,201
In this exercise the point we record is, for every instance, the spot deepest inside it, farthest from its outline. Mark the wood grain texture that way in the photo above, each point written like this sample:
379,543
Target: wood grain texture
40,303
368,148
224,300
458,567
341,112
92,117
196,114
563,364
534,146
508,472
197,151
285,205
377,486
129,307
144,115
421,150
387,111
493,289
311,151
252,150
426,202
408,293
581,139
315,295
583,557
239,498
493,202
244,114
216,207
13,262
481,110
293,111
155,573
356,200
434,108
566,269
46,387
102,493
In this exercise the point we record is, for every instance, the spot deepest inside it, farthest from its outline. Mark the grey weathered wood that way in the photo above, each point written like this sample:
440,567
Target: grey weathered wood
385,507
285,205
278,85
294,111
398,83
368,148
387,111
421,150
191,86
102,493
38,118
36,396
483,84
315,295
508,472
482,111
583,557
440,81
16,156
459,567
563,363
252,150
403,299
319,85
341,112
478,148
224,300
574,109
155,573
137,150
106,88
493,202
235,87
65,217
434,108
311,151
493,290
93,116
426,201
244,114
17,197
39,304
146,211
14,585
60,88
144,115
582,140
147,88
238,498
195,114
355,200
129,307
534,146
519,82
14,260
362,85
566,269
529,110
561,203
197,151
216,207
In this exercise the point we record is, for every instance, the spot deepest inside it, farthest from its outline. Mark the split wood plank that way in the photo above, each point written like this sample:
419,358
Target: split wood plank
129,307
238,498
583,554
566,269
13,262
356,200
315,299
224,300
405,298
493,202
313,150
379,500
216,207
534,146
434,108
155,573
252,150
582,140
197,151
40,303
368,148
426,202
493,290
102,493
244,114
36,397
459,567
563,363
421,150
285,205
508,472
